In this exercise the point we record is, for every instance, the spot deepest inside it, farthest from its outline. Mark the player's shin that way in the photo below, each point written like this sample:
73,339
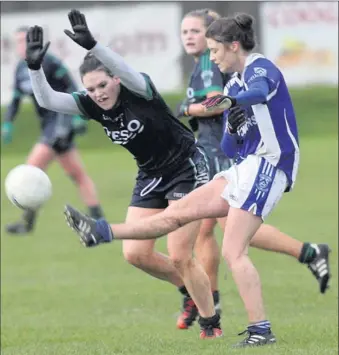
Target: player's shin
148,228
240,227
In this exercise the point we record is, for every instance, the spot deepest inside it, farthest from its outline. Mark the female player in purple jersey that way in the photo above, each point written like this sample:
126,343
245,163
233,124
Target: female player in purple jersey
207,81
250,189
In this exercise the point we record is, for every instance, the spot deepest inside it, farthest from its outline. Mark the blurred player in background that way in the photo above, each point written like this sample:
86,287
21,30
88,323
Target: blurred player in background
232,192
57,132
205,81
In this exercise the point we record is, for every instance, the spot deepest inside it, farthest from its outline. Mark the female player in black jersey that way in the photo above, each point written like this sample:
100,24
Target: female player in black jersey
57,132
134,115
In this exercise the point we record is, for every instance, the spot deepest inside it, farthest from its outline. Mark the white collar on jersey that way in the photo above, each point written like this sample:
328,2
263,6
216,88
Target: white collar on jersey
253,57
239,79
249,60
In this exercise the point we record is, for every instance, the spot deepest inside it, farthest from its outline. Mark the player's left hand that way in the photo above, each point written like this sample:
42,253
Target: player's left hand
218,102
82,34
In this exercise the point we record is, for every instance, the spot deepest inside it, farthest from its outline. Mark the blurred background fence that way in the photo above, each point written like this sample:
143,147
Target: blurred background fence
300,37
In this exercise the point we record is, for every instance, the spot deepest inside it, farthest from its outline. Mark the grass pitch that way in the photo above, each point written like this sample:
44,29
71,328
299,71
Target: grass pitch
60,298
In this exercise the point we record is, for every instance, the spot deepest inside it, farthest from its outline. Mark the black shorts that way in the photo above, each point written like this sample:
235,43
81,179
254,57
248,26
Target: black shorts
217,160
156,192
57,133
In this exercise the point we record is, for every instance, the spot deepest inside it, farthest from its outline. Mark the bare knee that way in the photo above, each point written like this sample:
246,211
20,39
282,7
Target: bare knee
206,231
137,255
233,256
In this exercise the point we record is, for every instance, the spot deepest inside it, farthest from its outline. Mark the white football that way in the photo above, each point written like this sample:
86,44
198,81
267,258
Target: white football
28,187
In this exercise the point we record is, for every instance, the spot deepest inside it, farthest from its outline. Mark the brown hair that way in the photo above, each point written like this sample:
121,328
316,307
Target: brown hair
91,63
237,28
207,15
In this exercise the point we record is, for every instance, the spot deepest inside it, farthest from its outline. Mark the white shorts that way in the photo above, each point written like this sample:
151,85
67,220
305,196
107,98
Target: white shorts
254,185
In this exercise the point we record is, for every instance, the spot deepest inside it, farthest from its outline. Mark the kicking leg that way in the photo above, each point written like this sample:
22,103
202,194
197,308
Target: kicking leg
204,202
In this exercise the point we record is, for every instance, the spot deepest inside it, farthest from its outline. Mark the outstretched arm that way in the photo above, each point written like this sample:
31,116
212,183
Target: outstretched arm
44,94
257,93
49,98
130,78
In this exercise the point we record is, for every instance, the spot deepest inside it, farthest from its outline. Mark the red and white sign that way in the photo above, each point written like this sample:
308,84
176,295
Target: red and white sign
301,38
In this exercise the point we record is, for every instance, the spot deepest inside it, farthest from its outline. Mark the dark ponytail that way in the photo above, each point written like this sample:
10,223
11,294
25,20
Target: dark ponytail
237,28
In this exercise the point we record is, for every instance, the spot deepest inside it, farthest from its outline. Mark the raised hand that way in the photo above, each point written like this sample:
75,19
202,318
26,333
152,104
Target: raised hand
82,35
35,51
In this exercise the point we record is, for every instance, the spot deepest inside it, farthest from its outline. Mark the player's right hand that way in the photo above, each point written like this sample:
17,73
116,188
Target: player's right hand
7,132
82,35
218,102
35,51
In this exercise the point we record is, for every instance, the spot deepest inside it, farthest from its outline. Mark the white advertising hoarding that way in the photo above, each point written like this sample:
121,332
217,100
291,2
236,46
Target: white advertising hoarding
146,35
301,38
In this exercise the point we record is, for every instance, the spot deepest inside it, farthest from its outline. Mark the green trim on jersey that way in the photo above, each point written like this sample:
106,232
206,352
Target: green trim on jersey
60,72
149,90
205,62
79,104
206,66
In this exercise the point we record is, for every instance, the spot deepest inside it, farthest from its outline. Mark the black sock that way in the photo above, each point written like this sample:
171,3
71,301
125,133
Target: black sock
308,253
216,297
184,291
95,212
29,217
214,321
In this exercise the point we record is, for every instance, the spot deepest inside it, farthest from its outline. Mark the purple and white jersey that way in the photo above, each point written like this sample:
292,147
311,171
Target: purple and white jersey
271,129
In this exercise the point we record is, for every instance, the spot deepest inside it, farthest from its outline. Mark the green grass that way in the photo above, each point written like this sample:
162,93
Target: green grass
60,298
